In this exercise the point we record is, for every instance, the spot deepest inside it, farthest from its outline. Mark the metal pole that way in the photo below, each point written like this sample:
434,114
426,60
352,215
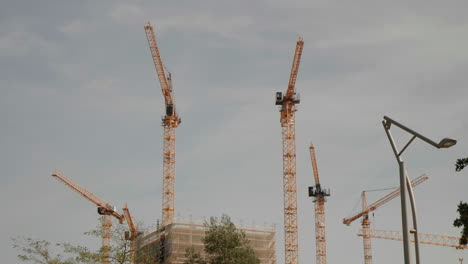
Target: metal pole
405,184
403,190
404,217
415,217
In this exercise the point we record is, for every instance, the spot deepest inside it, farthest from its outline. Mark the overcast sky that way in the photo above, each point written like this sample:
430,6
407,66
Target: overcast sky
79,94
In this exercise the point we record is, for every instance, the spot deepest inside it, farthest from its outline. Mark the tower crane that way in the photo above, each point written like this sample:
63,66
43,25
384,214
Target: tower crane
430,239
288,130
365,216
319,194
170,122
103,208
132,234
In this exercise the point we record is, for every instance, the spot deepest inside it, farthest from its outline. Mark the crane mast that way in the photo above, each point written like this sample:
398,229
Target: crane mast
132,234
319,194
429,239
366,239
103,209
169,122
366,236
288,127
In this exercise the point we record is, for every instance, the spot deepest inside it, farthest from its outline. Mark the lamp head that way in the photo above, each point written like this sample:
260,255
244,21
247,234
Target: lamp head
446,143
387,122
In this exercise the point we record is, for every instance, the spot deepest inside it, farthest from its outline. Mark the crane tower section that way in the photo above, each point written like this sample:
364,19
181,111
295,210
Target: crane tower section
319,195
288,130
169,122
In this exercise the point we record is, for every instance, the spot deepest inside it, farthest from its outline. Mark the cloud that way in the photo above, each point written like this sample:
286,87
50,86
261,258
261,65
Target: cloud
81,95
125,13
18,41
73,27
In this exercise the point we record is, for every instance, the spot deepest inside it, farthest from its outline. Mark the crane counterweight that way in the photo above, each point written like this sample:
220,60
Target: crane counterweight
318,192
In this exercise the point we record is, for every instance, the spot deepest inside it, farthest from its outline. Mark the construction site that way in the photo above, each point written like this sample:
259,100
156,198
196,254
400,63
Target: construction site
175,238
167,243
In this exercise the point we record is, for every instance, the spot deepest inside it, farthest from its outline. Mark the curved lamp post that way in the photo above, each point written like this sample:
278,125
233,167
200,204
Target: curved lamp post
405,184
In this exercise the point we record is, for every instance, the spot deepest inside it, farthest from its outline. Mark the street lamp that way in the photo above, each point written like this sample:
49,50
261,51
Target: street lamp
405,184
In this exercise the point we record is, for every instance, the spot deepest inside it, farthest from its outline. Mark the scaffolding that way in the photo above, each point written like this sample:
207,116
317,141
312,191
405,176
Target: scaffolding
168,244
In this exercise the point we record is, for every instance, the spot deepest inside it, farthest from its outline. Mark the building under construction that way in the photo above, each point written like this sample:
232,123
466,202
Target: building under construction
168,244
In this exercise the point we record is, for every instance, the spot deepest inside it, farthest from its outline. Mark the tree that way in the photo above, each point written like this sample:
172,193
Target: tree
223,244
38,251
43,252
461,164
462,221
120,248
193,257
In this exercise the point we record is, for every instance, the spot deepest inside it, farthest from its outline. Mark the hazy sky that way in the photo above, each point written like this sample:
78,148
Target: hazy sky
79,94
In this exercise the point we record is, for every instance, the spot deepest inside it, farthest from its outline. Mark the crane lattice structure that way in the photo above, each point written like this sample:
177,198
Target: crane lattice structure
103,208
288,126
170,122
132,234
319,194
430,239
365,216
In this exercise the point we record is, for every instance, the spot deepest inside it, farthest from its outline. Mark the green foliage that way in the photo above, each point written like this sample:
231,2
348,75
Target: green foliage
193,257
224,244
81,254
462,221
120,250
43,252
461,164
38,251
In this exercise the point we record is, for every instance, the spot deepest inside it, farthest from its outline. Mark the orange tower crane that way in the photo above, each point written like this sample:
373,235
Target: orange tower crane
288,125
430,239
319,194
132,234
365,216
103,208
170,122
